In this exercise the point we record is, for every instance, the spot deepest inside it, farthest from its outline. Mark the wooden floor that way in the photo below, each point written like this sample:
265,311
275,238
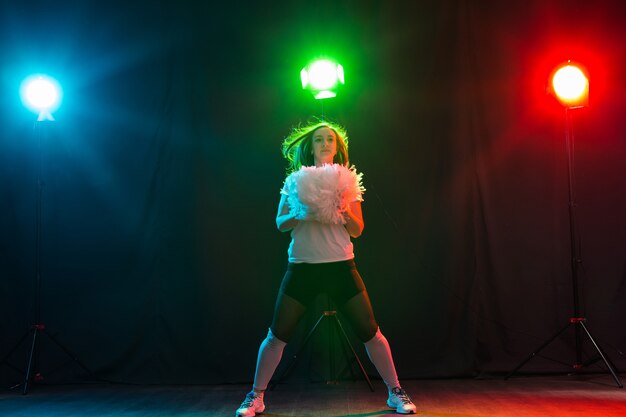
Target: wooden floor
545,396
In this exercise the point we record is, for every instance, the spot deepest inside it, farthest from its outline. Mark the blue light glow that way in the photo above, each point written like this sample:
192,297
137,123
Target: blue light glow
41,94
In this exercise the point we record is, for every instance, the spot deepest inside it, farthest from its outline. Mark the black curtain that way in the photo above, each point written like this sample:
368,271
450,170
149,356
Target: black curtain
160,260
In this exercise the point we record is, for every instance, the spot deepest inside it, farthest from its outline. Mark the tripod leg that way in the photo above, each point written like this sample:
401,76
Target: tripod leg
536,351
30,360
349,360
346,354
294,359
69,353
8,355
345,336
606,362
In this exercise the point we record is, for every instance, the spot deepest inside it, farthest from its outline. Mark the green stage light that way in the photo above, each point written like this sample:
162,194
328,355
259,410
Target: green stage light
322,78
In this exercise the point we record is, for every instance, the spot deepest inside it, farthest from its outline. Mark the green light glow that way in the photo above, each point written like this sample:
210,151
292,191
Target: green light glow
322,77
325,94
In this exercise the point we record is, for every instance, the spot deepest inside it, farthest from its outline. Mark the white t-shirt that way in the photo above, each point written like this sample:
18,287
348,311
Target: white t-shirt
314,242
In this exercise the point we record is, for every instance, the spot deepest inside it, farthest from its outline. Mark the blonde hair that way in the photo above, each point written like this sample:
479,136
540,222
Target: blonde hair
296,147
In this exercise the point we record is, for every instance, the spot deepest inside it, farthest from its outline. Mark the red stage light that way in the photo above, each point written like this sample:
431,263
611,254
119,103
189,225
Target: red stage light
571,86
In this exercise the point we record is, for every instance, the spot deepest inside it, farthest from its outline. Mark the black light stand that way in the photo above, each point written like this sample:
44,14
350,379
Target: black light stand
32,373
332,315
577,320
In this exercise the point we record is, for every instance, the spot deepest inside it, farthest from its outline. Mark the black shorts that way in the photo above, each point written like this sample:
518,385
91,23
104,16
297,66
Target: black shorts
304,282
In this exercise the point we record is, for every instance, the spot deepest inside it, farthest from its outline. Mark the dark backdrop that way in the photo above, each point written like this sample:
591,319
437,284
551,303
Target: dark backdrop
160,258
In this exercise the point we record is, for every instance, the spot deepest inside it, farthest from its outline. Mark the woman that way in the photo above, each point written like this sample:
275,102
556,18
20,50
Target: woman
321,260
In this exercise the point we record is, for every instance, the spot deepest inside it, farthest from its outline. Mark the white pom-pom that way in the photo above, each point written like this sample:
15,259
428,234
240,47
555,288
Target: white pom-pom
323,193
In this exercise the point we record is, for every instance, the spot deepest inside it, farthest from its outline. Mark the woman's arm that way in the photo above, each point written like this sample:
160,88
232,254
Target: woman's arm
284,220
354,219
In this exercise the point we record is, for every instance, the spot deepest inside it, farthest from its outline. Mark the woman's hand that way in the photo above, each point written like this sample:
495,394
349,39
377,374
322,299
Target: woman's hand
354,219
284,220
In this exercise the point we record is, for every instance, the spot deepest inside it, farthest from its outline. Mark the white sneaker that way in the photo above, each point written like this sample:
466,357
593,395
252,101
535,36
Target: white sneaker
399,400
251,406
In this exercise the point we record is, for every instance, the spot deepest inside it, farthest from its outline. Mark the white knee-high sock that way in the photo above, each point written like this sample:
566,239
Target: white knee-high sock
270,352
380,354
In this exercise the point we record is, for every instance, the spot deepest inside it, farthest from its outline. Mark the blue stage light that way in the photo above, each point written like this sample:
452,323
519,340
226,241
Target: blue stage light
41,94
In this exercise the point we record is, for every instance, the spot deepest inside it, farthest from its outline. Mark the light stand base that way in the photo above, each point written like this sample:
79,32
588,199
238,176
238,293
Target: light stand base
332,315
32,374
576,322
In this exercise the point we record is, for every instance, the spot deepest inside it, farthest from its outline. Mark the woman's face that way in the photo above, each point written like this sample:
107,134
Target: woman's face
324,147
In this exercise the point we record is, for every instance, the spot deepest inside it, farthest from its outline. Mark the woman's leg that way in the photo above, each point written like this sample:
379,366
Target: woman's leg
287,315
358,311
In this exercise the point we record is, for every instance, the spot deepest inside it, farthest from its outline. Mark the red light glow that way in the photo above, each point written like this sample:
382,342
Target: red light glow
571,86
